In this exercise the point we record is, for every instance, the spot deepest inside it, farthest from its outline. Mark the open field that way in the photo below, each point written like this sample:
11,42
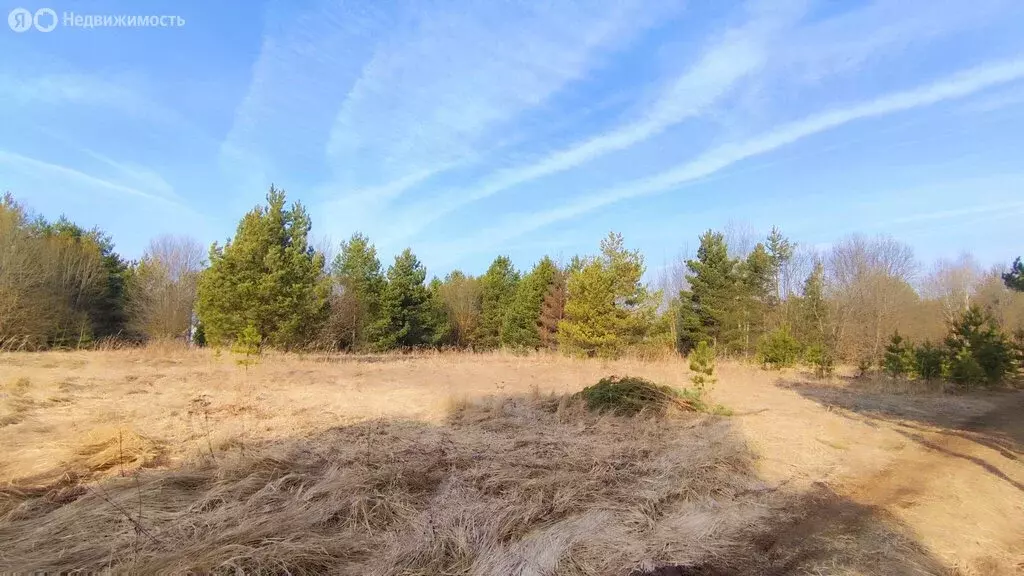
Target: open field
166,460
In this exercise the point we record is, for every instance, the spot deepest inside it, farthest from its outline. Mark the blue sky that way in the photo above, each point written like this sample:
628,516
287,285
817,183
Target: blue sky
469,129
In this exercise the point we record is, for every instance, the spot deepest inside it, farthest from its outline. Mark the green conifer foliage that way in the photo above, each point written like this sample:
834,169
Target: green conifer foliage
406,315
267,276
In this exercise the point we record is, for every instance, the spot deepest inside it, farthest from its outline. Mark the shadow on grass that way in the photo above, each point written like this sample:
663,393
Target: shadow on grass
510,485
991,419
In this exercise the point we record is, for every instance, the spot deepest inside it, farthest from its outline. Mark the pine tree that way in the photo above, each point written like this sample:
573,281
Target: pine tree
707,308
702,364
899,360
781,250
356,273
976,334
552,310
247,345
267,276
814,313
405,319
608,309
497,290
755,298
813,322
522,323
1014,279
443,330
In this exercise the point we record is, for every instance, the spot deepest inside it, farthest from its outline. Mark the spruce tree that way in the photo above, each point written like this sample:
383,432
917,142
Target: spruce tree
522,323
356,273
497,290
707,309
405,319
899,360
267,276
814,323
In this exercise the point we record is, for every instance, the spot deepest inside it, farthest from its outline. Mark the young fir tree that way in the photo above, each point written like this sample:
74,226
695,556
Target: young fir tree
268,276
708,307
406,315
357,275
975,334
899,360
247,346
813,323
497,290
702,364
522,323
608,308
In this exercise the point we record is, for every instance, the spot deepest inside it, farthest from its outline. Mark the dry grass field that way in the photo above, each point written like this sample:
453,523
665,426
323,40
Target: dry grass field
164,460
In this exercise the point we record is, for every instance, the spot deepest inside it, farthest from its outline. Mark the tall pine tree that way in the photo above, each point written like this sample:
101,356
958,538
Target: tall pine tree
522,323
608,309
357,275
406,313
267,276
497,290
1014,279
706,310
552,310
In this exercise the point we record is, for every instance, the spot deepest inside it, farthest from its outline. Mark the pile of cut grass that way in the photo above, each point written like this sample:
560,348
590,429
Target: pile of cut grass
629,396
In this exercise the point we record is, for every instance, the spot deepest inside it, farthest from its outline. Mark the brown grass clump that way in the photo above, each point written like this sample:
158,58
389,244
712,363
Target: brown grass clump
508,486
115,450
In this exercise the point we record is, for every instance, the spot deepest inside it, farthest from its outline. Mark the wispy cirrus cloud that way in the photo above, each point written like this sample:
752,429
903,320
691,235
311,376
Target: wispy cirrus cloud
736,53
389,95
960,85
767,48
860,36
157,191
437,93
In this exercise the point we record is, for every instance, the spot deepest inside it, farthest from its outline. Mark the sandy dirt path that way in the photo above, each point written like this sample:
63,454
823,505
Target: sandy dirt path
947,468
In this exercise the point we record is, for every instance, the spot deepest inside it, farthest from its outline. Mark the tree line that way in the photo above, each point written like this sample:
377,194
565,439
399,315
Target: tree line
768,299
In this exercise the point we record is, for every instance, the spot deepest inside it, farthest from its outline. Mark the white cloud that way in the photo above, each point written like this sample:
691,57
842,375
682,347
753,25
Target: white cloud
875,31
50,171
735,55
752,51
958,86
436,94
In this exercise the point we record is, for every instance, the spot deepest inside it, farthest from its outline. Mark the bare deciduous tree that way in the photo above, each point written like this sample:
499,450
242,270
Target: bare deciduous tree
869,283
953,283
740,237
461,297
162,291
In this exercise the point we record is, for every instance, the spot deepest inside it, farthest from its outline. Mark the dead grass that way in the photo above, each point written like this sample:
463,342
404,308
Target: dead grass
507,485
176,461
